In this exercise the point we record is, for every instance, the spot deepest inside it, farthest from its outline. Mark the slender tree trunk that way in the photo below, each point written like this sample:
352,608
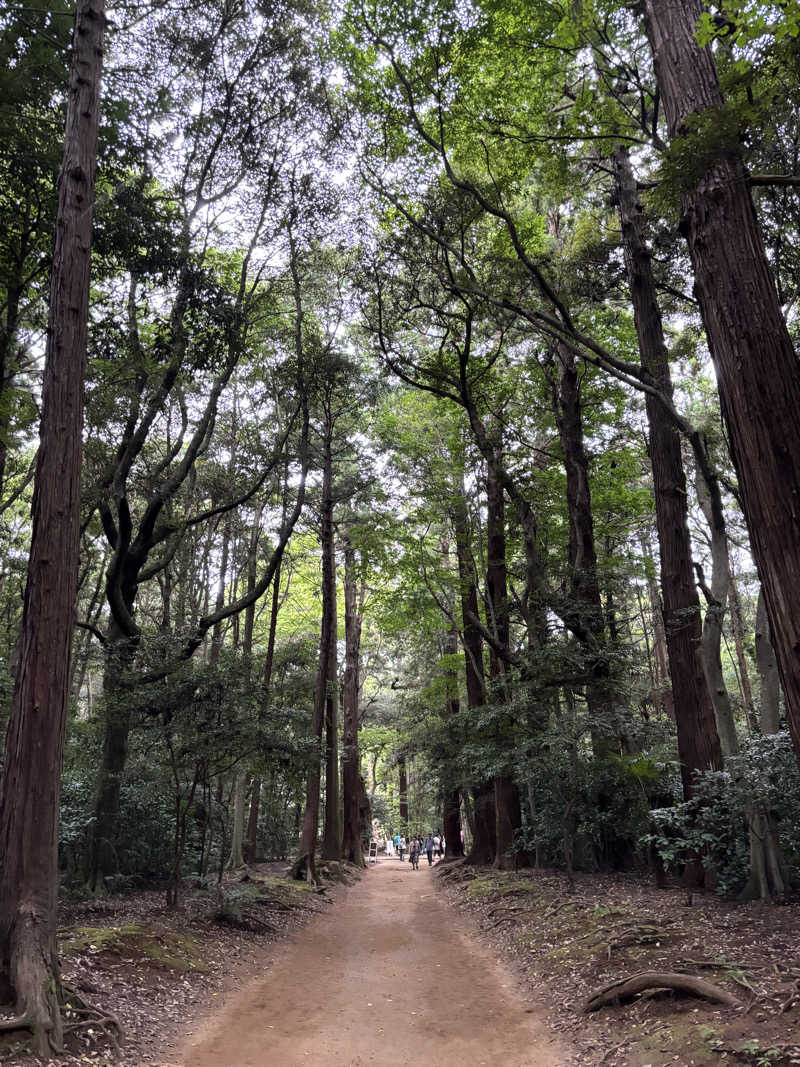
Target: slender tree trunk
484,832
29,792
402,785
451,807
738,640
770,696
585,617
237,856
352,786
332,834
758,372
251,842
716,597
698,743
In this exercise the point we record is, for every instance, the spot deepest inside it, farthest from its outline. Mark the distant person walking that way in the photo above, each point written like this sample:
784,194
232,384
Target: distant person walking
413,854
429,849
401,847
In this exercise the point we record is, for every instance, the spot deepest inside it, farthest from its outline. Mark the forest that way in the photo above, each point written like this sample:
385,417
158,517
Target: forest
398,432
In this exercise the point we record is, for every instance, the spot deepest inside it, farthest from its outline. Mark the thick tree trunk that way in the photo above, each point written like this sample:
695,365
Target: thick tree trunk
352,784
101,857
29,792
698,743
757,368
324,692
508,811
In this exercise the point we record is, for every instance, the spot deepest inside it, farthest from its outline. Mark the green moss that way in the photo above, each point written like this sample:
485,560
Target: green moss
157,950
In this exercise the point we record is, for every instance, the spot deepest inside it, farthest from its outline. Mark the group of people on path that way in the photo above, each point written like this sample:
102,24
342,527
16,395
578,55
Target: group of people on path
432,845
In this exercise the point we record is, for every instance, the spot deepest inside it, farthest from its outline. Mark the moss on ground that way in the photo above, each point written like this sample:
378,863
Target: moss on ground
157,950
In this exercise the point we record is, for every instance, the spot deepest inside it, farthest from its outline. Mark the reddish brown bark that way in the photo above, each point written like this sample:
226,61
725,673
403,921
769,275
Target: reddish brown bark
29,792
758,373
352,786
698,743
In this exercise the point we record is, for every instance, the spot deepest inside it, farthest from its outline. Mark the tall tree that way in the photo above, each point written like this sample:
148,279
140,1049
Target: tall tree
354,592
30,788
698,742
758,372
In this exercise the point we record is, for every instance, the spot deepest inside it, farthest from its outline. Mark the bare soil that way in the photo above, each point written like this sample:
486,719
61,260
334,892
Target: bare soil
390,976
573,938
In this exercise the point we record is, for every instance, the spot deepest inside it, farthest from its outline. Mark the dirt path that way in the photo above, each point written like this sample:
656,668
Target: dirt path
388,977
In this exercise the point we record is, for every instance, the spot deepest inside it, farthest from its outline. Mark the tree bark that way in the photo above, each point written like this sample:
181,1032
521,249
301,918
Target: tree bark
30,788
508,811
402,784
585,616
451,806
698,743
352,786
324,693
484,835
251,842
332,834
757,369
770,697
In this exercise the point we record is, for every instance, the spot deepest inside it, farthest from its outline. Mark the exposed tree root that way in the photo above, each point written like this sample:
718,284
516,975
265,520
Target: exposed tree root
19,1022
626,988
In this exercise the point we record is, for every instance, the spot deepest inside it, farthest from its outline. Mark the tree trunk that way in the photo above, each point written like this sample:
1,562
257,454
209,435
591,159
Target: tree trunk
738,640
352,785
484,835
304,866
711,642
758,373
585,616
236,857
402,785
770,697
29,792
451,806
332,835
508,811
698,743
251,842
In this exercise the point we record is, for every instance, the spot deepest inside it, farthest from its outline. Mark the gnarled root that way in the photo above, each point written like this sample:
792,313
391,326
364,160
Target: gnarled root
625,988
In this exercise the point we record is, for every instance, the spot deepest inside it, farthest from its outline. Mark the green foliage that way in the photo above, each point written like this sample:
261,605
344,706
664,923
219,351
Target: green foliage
713,824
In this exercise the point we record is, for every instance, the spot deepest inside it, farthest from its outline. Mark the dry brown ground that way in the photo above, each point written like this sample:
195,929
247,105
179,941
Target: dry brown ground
390,977
155,967
576,939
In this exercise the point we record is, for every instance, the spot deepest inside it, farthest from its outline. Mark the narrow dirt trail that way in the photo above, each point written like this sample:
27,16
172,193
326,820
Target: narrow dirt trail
388,977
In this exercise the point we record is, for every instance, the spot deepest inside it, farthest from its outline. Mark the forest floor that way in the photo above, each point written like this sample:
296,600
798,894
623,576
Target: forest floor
575,939
403,968
154,967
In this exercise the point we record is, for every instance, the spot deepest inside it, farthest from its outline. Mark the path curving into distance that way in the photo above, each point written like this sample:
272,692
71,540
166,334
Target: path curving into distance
388,977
